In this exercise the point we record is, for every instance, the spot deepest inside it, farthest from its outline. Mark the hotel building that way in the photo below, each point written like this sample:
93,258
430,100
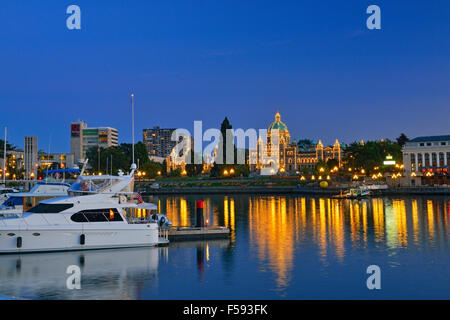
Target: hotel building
83,138
159,143
427,154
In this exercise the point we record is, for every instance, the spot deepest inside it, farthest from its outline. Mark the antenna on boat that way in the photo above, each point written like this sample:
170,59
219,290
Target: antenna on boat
133,169
84,166
4,157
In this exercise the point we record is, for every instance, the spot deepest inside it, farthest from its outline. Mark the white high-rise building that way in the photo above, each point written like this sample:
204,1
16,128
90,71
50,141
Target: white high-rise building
83,138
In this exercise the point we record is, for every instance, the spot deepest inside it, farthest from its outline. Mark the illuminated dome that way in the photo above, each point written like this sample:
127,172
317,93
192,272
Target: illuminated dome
277,124
283,132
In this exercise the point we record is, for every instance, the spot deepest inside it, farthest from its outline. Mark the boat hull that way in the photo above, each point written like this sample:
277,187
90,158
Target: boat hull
48,240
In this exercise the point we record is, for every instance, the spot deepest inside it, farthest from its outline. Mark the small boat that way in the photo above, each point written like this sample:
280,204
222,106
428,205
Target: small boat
100,212
20,202
4,193
354,193
51,187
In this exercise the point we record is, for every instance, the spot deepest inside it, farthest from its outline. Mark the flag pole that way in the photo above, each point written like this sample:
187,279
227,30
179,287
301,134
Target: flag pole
132,124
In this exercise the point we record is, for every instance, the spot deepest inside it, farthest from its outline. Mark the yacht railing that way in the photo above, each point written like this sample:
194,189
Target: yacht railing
163,233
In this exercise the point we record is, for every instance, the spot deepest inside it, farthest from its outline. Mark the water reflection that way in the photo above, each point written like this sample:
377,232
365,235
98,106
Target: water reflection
105,274
278,226
277,244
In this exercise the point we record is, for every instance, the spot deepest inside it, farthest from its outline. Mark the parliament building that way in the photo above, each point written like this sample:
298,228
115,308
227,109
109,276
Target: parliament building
292,156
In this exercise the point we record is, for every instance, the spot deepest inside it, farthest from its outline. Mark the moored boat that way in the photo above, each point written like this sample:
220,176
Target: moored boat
99,212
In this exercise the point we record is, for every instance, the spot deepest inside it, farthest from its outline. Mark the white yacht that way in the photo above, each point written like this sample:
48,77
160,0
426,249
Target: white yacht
100,212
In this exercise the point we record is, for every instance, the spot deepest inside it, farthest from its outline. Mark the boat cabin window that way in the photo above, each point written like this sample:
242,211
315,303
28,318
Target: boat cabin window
135,215
50,208
30,202
97,215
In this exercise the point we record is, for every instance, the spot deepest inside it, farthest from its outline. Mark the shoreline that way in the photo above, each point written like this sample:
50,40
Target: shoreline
293,191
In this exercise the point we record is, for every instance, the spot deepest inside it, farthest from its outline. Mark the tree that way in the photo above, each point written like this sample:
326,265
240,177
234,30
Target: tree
151,169
140,152
331,163
223,140
9,147
371,154
402,139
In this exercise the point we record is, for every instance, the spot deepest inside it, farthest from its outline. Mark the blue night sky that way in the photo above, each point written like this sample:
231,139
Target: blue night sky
314,61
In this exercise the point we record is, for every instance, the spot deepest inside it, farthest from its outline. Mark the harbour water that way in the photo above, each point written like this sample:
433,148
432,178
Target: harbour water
281,247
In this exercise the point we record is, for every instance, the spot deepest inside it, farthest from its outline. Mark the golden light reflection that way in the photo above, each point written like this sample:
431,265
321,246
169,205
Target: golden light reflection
400,217
177,211
272,231
281,227
378,219
430,217
415,220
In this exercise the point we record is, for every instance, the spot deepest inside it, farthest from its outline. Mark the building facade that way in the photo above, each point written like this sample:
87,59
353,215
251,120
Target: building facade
30,157
291,156
56,161
159,142
430,154
82,138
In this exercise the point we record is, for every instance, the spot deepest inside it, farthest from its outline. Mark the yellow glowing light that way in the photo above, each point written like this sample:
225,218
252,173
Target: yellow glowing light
363,171
225,172
313,178
184,172
355,177
159,173
302,178
320,177
322,169
413,174
328,177
231,171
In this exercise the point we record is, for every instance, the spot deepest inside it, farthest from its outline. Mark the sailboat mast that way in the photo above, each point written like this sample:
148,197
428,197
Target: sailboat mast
4,157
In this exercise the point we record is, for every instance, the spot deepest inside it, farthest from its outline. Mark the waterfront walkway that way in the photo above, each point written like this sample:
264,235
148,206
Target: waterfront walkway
293,190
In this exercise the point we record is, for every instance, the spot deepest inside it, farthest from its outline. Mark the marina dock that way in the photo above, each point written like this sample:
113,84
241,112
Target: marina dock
193,233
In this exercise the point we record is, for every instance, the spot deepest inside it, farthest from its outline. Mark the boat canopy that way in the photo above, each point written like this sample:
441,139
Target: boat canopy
144,206
101,184
62,171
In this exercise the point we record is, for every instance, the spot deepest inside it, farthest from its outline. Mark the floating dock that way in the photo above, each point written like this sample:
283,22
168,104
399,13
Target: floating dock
194,233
